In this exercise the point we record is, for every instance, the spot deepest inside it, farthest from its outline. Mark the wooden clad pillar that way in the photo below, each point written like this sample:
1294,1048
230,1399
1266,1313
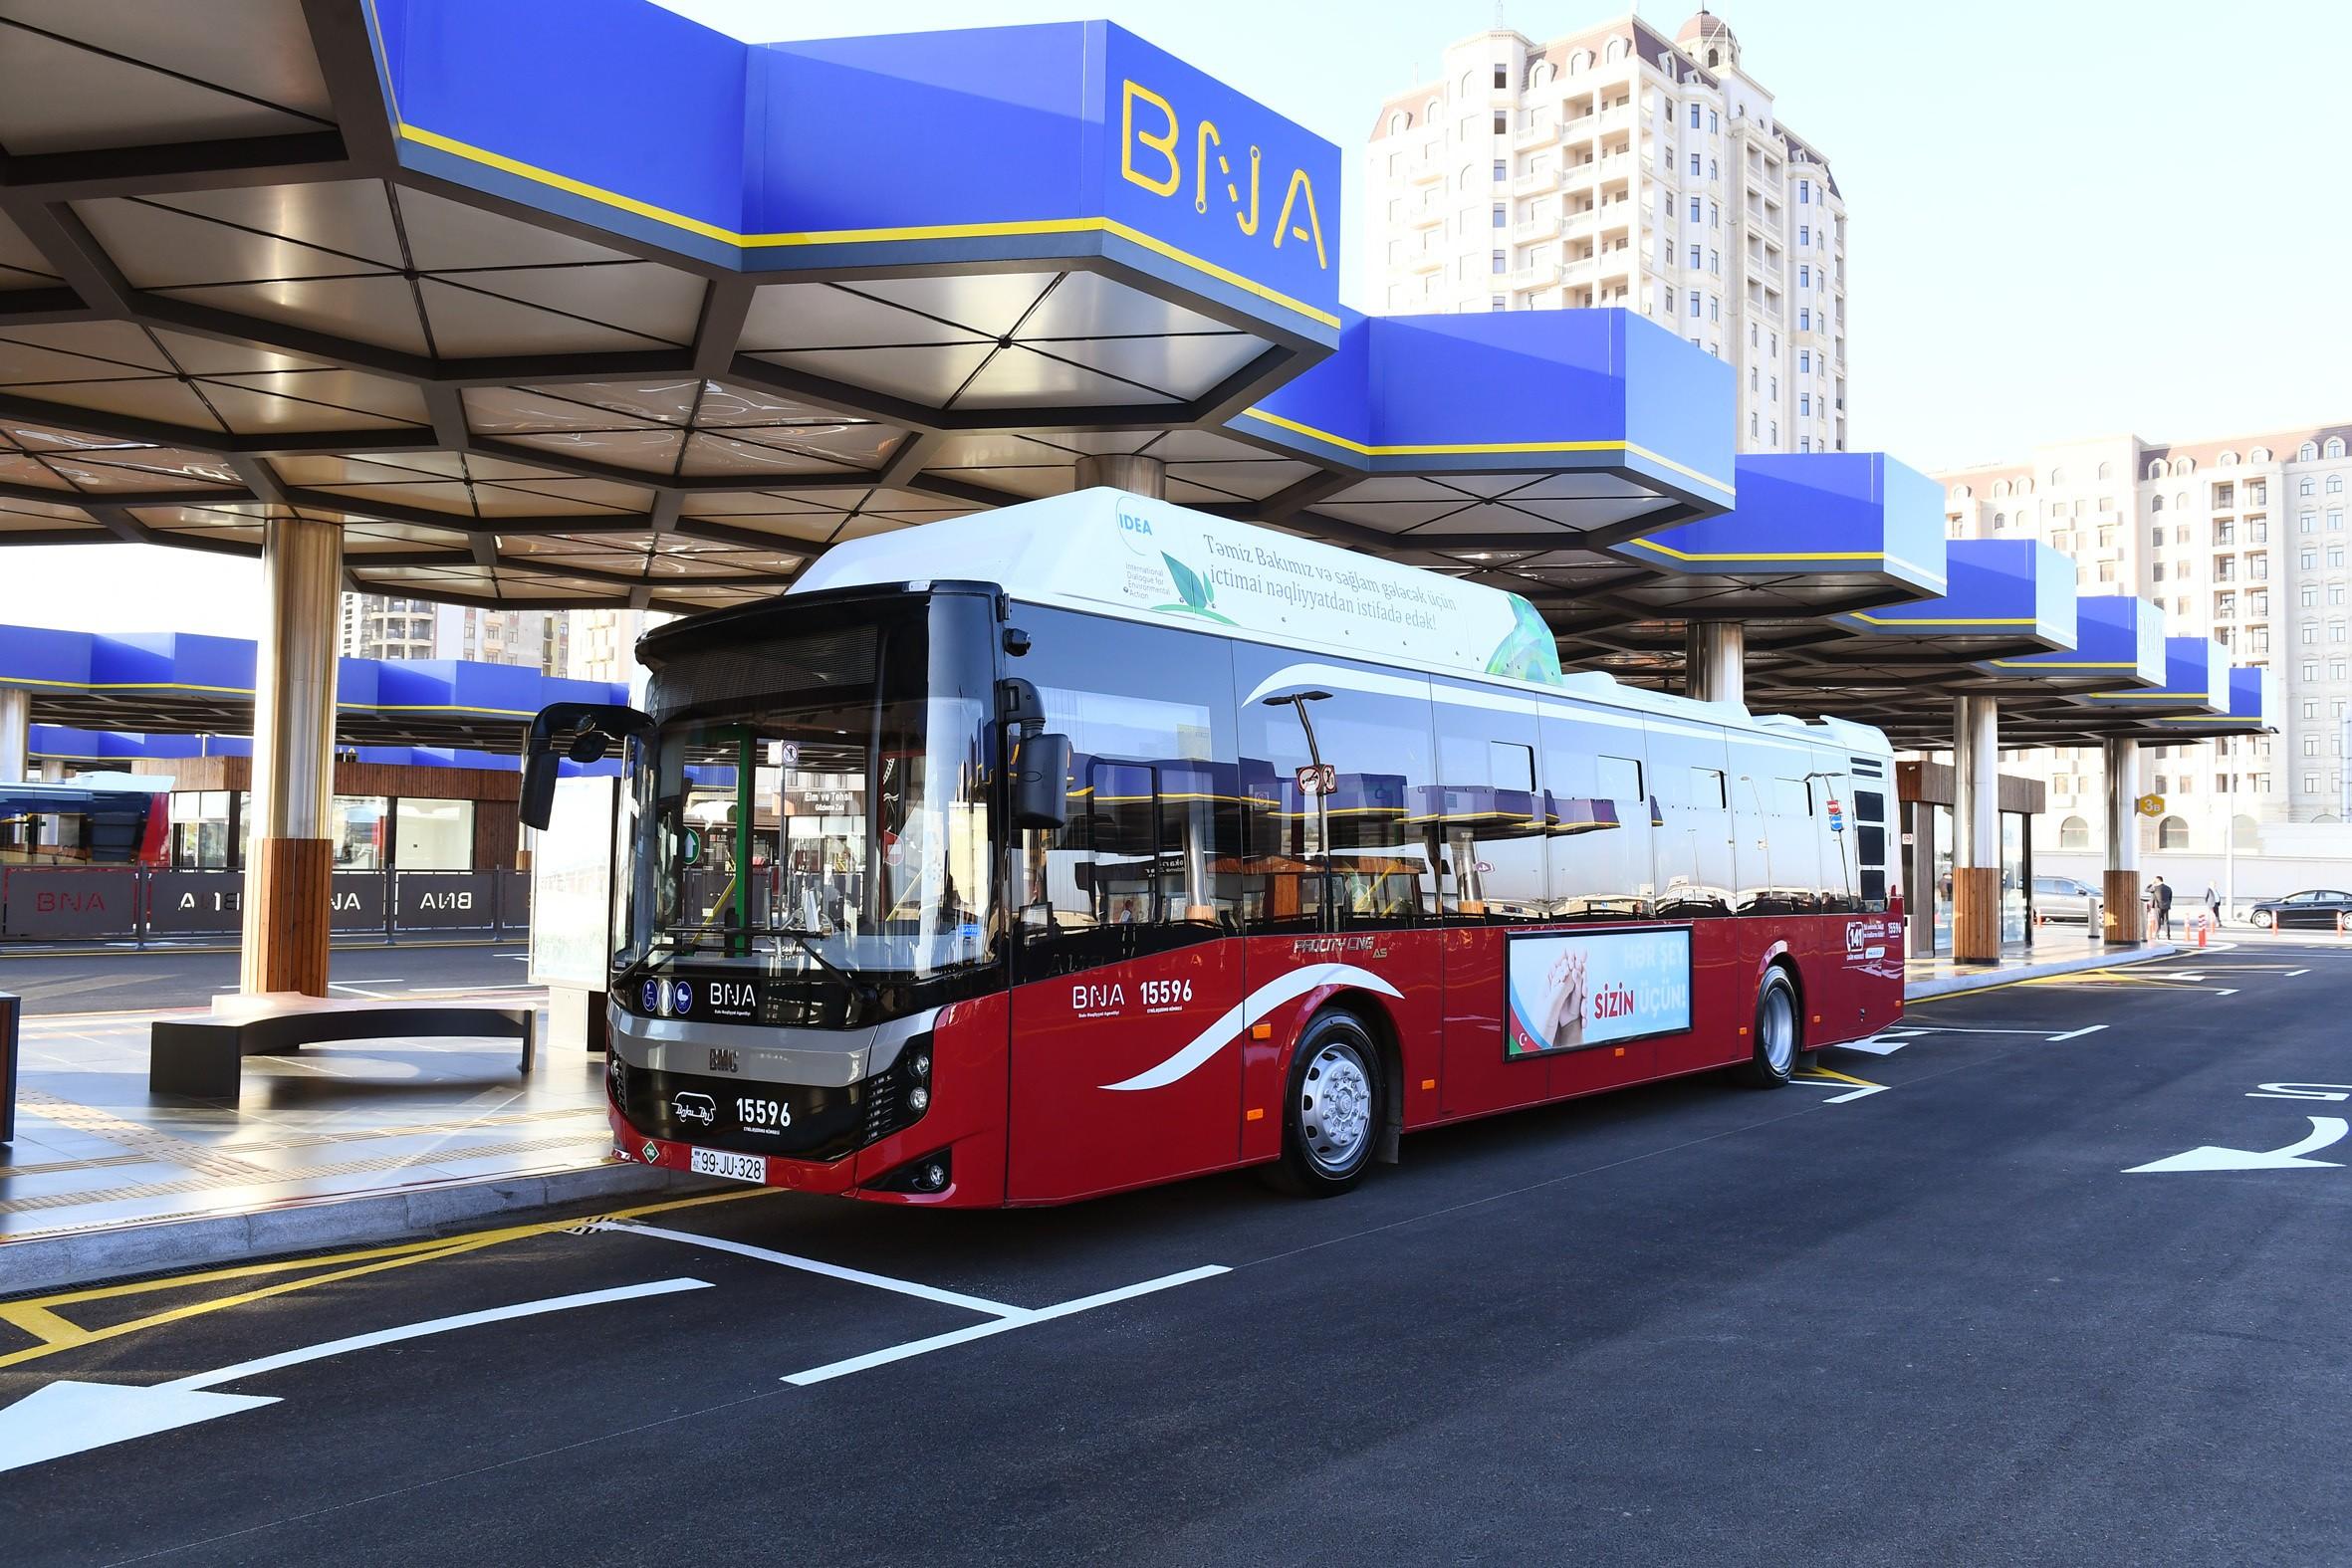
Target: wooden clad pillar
1975,914
286,885
286,915
2125,917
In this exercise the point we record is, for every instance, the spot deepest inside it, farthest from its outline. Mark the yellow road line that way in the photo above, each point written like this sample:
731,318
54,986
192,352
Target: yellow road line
412,1253
1816,1073
43,1324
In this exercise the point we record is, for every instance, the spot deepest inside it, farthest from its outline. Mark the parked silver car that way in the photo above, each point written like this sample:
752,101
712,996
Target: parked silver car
2062,898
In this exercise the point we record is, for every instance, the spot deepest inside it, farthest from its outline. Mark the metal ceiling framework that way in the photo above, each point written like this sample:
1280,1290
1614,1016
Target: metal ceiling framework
224,297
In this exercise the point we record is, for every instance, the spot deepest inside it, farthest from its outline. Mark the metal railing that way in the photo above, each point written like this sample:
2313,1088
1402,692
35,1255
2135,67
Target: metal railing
143,904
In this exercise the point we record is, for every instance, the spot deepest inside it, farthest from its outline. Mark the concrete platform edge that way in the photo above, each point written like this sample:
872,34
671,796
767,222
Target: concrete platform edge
84,1258
2010,975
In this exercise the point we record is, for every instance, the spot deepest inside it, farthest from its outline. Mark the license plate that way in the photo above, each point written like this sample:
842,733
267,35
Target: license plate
734,1166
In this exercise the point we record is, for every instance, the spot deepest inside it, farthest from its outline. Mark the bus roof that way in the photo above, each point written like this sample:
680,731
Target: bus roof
1108,552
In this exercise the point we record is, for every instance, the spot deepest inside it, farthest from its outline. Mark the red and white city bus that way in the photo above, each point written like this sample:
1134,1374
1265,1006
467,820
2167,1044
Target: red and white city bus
1097,842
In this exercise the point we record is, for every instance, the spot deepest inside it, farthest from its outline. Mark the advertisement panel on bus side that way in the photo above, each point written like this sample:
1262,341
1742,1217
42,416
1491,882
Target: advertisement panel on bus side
1570,990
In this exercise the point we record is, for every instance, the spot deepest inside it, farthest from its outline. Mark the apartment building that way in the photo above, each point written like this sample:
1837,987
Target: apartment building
1617,167
2243,540
382,626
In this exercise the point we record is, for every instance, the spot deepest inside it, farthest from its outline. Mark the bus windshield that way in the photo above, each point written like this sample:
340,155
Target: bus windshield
813,804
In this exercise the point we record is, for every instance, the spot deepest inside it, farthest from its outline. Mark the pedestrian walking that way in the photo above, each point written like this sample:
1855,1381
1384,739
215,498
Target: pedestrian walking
2160,901
2213,905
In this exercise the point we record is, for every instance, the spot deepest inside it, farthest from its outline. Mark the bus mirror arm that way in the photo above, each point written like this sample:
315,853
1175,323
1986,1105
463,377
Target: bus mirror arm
591,726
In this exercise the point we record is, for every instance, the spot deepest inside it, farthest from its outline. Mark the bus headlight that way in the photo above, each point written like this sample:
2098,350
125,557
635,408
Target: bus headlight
918,1099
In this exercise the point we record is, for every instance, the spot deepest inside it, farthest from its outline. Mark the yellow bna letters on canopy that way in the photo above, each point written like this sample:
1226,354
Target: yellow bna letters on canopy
1163,145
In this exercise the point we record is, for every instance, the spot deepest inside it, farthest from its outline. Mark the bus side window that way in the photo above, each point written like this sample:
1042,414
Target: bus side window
1145,860
1485,819
1349,856
1597,817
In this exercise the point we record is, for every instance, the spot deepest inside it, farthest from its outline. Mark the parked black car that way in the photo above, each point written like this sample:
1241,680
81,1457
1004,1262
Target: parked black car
2313,907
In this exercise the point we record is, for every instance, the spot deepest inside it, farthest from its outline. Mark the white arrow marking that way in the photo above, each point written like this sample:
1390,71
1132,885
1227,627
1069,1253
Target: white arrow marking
2324,1131
1878,1045
2075,1034
66,1417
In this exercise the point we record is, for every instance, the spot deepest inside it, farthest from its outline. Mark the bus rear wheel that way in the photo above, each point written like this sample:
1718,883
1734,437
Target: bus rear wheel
1778,1038
1331,1114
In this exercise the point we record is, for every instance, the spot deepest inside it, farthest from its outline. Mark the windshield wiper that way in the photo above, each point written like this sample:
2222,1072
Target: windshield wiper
808,941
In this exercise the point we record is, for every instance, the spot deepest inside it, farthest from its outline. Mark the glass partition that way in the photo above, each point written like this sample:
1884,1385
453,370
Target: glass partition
433,836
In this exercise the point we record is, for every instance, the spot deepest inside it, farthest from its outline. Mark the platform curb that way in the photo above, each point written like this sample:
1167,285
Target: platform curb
107,1253
1987,980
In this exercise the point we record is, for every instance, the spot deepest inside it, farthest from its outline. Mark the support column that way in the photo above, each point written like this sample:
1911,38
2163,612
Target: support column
1714,661
2125,919
1138,476
1976,831
16,735
287,869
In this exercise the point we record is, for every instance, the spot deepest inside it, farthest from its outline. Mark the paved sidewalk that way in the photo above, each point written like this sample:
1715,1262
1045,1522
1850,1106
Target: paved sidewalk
330,1146
1942,976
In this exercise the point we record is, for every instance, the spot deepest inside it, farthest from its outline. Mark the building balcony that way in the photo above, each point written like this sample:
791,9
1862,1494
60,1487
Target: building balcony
1543,228
1426,261
1535,182
1540,133
1426,171
1580,222
1546,275
1428,215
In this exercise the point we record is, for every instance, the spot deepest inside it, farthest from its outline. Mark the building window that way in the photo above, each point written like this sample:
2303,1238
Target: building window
1501,262
1502,216
1804,362
1804,320
1695,218
1694,305
1502,77
1694,165
1694,257
2335,446
1804,276
1694,116
2171,832
2074,833
1495,302
1804,191
1804,404
1502,171
1502,122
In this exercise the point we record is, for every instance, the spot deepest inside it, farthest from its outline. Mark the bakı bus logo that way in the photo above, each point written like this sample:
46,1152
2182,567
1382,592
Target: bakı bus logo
1141,147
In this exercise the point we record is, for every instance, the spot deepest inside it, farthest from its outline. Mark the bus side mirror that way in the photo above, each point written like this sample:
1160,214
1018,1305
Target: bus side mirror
1041,782
538,789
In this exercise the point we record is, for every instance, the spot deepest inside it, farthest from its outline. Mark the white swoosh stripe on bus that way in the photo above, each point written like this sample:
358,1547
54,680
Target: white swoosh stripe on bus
1257,1005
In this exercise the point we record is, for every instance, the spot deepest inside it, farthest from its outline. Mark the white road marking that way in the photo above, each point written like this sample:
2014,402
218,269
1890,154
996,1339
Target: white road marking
363,991
1877,1045
2325,1129
923,1347
2075,1034
68,1416
2292,973
855,1277
1857,1094
438,1325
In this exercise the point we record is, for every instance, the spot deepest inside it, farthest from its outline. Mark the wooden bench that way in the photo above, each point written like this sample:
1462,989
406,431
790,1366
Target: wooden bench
202,1059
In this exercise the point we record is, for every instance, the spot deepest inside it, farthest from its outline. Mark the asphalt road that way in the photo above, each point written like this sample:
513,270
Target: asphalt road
101,982
1934,1322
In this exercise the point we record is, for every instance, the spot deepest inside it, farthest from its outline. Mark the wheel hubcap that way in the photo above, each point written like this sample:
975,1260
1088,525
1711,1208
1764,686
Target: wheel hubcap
1779,1031
1335,1109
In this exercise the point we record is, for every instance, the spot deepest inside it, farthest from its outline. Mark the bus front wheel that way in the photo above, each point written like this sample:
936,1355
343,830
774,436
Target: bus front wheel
1778,1036
1331,1115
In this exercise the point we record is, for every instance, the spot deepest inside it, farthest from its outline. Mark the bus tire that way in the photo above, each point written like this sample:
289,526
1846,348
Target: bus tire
1777,1035
1331,1113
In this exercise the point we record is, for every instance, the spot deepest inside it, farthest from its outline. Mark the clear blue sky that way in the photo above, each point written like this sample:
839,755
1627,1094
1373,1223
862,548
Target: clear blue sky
2067,218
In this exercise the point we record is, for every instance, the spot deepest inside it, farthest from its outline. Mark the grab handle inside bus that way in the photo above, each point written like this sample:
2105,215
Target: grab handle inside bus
591,726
